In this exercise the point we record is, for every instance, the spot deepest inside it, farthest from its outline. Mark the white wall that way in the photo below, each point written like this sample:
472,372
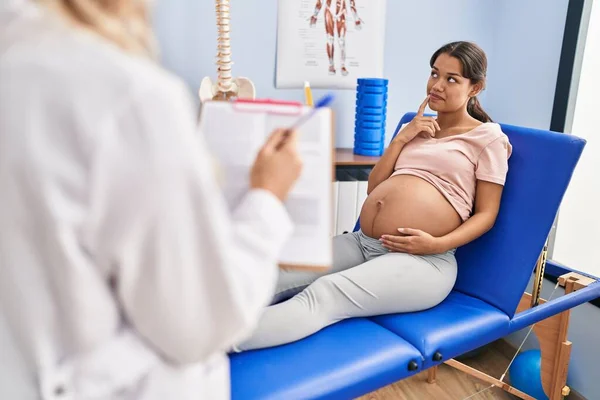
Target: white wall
578,230
521,38
523,63
414,30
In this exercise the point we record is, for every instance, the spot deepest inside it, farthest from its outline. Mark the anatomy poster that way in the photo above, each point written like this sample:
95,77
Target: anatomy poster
329,43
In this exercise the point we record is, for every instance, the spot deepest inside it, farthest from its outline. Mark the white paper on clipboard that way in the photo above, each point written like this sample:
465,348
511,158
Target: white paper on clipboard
235,132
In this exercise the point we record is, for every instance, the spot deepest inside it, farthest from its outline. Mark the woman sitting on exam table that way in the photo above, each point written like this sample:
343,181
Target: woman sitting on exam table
437,187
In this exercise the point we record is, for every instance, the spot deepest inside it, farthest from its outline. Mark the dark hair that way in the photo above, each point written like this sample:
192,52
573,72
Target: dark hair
474,65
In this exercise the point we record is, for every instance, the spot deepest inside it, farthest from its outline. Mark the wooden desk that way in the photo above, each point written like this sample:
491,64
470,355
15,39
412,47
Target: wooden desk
346,158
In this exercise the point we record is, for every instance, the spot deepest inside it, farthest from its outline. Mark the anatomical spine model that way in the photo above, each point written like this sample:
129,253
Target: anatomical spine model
336,22
226,87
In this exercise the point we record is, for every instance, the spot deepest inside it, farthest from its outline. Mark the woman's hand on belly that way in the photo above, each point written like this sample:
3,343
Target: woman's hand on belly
412,241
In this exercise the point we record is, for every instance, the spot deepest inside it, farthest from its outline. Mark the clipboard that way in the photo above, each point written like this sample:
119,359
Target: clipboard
234,133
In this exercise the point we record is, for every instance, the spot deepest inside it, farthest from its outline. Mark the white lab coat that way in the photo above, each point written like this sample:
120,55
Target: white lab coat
122,274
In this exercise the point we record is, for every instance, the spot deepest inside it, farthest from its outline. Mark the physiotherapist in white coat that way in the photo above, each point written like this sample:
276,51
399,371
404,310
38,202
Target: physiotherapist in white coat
122,274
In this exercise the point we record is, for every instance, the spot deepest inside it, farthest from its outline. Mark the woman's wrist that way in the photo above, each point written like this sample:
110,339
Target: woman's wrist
396,145
399,140
442,244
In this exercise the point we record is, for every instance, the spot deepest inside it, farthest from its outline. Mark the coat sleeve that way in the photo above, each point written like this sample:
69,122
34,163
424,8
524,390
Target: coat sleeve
191,277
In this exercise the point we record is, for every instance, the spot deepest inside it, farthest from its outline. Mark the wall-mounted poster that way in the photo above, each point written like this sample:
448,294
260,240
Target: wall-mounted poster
329,43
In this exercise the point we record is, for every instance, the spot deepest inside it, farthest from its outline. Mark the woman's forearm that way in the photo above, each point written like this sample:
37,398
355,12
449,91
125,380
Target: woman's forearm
385,166
470,230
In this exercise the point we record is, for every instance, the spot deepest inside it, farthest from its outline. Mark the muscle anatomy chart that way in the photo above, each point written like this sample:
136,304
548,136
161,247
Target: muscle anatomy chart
329,43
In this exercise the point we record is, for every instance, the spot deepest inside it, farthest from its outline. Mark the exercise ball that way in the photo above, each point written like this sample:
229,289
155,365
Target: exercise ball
526,374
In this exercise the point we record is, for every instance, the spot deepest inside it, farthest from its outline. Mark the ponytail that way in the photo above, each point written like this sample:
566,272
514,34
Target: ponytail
476,111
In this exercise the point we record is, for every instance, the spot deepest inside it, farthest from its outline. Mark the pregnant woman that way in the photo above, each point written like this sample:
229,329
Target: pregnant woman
437,187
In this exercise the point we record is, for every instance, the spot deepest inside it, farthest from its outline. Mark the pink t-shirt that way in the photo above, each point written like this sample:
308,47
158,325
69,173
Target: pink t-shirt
453,164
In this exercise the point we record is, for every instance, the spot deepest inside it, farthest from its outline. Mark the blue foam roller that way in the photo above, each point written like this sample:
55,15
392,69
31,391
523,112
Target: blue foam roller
368,131
369,125
372,89
370,111
371,84
372,105
371,118
377,111
369,135
369,88
364,152
372,81
368,147
365,98
367,144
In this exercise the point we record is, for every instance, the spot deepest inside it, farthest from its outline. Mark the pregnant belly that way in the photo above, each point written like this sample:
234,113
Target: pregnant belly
406,201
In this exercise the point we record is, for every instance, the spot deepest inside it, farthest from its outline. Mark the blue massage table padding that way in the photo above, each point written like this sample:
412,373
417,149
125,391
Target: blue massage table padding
355,357
342,361
497,267
457,325
556,269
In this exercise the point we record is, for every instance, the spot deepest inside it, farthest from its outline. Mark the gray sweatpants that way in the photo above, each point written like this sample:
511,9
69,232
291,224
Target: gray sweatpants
365,280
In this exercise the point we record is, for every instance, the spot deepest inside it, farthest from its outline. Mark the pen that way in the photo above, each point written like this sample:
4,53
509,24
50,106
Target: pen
308,94
323,102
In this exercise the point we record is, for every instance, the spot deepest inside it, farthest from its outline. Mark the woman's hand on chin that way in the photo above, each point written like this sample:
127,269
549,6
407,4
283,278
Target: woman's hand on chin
419,124
412,241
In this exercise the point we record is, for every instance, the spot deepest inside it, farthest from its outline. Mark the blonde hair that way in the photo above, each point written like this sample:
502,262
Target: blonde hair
123,22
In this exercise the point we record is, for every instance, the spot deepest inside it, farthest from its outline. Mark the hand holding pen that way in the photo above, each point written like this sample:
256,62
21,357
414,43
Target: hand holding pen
278,164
